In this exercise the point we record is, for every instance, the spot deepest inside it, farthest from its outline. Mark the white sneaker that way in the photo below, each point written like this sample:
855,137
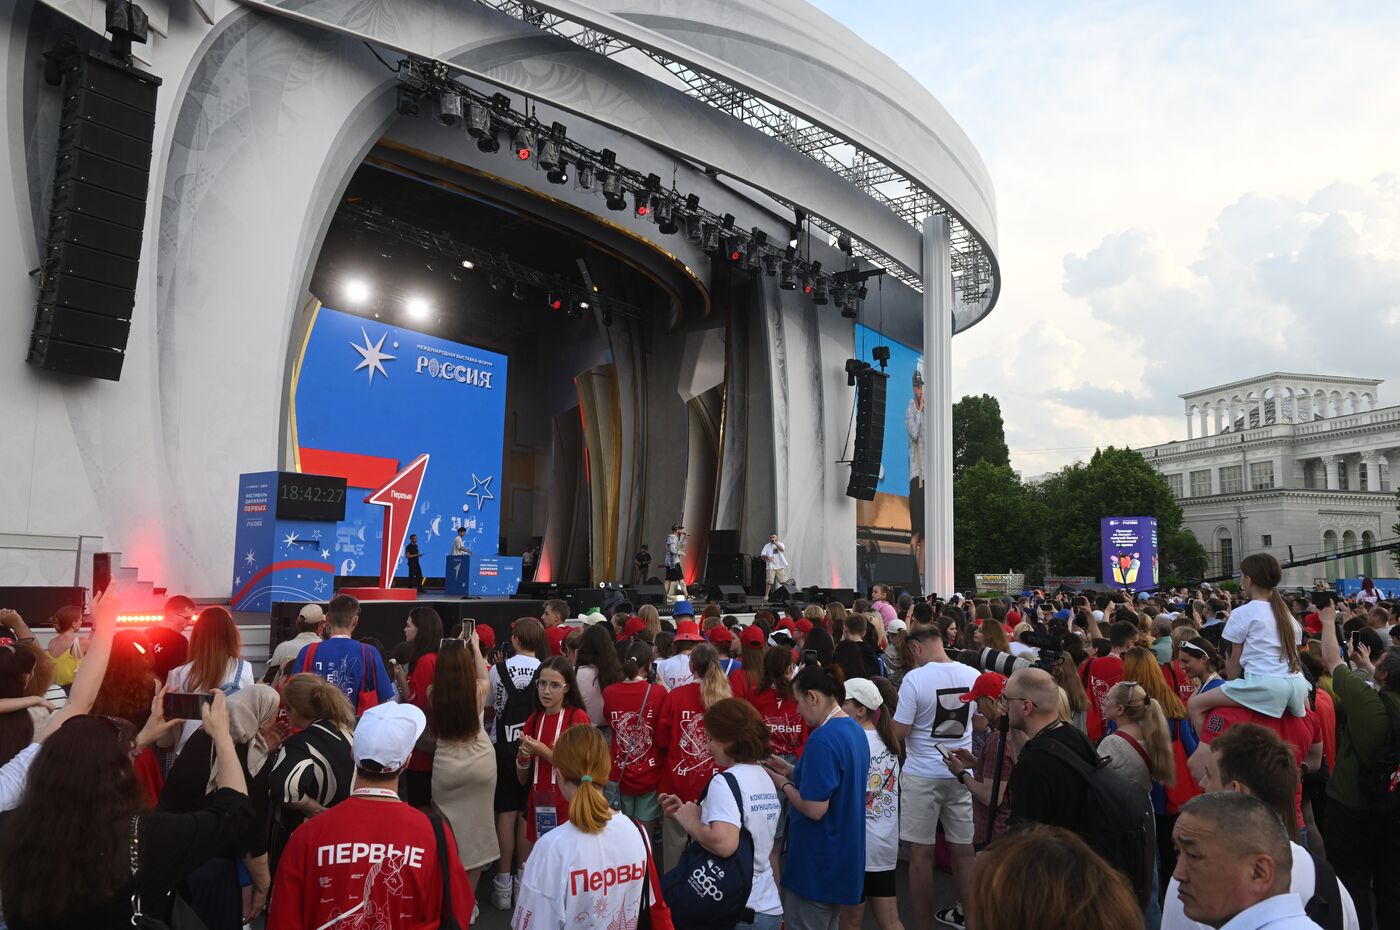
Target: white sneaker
515,885
476,912
500,892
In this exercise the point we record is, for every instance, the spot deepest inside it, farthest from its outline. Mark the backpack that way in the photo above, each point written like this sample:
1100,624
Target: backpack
520,704
1325,907
1120,824
1380,781
707,892
230,688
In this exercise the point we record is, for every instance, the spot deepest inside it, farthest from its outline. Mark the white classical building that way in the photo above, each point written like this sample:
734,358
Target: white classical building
1296,465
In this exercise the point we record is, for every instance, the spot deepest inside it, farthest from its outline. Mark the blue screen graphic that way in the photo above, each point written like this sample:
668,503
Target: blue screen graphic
371,389
899,393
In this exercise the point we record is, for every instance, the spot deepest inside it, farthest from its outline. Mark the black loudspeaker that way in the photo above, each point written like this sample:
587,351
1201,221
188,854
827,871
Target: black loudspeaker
101,571
870,433
724,542
726,569
781,593
650,594
92,256
732,594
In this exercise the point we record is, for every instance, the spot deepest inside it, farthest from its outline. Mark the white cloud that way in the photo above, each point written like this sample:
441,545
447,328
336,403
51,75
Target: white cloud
1187,194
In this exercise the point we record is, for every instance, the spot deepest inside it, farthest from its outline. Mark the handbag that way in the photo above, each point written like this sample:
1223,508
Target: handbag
447,920
182,916
709,892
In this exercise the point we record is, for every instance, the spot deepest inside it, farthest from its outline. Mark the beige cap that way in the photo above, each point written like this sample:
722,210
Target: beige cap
312,612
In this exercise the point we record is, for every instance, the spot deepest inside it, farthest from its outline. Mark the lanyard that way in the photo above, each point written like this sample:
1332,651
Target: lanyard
375,793
539,732
834,711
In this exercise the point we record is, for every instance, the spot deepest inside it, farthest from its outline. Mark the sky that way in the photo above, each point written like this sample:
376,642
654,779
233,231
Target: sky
1188,194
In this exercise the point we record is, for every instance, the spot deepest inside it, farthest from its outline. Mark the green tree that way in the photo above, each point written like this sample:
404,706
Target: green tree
1184,559
1115,482
978,433
997,523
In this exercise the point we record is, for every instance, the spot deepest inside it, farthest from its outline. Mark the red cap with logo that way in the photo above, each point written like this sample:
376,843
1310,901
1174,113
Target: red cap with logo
786,624
987,685
688,631
752,635
720,634
634,626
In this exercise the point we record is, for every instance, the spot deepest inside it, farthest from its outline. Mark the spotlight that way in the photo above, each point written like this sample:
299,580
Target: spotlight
789,281
417,308
819,295
356,291
881,354
498,283
555,303
661,210
524,142
489,142
643,203
516,292
710,239
468,264
728,221
449,107
838,295
843,242
770,265
692,203
583,176
478,120
694,227
406,102
807,283
559,174
735,250
612,191
548,157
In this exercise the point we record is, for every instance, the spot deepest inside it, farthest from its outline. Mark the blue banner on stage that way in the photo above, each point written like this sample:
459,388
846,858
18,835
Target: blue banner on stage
1129,546
372,396
277,560
482,575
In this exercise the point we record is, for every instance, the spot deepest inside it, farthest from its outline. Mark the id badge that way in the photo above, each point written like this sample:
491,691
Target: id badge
546,813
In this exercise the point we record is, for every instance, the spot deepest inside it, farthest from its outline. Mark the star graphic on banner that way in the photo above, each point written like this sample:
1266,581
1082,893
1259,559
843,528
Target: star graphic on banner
484,494
373,356
290,540
325,553
250,559
319,585
237,580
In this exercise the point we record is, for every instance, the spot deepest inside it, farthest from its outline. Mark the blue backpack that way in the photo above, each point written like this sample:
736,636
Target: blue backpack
709,892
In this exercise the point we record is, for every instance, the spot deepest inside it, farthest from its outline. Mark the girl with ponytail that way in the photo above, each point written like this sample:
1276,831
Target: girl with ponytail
1140,747
632,707
683,751
583,874
1263,665
313,769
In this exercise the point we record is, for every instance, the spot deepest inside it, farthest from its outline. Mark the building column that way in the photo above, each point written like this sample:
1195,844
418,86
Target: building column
1261,409
1190,427
1330,462
1300,474
938,406
1382,473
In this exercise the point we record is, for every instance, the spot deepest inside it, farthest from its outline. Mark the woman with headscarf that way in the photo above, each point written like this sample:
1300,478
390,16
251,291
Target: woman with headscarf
215,890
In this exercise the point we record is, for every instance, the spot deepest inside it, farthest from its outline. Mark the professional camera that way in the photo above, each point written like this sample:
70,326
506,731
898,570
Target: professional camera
987,659
1051,648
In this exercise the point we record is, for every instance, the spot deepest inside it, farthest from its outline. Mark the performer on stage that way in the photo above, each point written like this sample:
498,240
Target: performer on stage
914,424
459,543
643,562
415,571
675,545
775,558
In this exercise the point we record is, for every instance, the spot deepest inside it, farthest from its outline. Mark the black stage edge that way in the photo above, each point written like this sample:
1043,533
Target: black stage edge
384,620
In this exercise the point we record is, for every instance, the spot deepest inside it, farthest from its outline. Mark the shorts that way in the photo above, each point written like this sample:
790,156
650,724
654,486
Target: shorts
916,507
780,575
924,803
511,795
641,806
1272,697
878,885
674,573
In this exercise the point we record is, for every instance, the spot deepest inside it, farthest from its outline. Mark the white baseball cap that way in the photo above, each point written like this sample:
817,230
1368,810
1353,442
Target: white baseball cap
895,626
386,733
863,692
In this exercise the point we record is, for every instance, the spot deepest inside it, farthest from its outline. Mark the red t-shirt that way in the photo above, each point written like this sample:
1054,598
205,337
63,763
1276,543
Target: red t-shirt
419,681
367,862
1099,675
683,750
1327,722
739,684
787,731
1176,677
631,709
546,728
1300,733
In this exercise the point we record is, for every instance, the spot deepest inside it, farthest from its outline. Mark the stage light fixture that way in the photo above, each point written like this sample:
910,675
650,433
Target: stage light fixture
736,250
516,292
559,174
612,190
583,176
881,354
694,227
770,265
838,296
449,108
642,199
498,283
692,203
468,264
807,284
356,291
843,242
728,221
661,211
417,308
478,120
819,293
710,239
489,141
555,303
406,101
548,157
789,281
524,142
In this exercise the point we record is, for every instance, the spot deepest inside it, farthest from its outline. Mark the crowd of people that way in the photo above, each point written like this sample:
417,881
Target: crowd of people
1190,758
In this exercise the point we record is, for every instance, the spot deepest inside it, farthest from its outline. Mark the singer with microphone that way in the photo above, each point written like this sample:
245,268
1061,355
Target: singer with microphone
675,578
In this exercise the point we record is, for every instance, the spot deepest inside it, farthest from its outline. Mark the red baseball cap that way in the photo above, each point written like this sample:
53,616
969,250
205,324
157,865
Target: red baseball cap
785,624
1312,623
987,685
752,635
688,631
486,636
803,626
720,634
555,635
1013,617
634,626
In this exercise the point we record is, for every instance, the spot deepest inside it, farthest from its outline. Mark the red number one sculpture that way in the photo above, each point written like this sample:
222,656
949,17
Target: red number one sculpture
398,498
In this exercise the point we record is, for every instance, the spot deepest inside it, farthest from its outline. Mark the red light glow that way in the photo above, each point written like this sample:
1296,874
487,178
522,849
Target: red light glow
643,210
523,154
140,618
806,288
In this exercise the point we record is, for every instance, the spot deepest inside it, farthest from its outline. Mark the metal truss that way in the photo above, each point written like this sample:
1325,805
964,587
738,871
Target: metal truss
907,199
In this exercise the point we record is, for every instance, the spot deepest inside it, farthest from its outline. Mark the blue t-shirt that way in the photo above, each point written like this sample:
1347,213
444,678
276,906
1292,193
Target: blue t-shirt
826,858
341,661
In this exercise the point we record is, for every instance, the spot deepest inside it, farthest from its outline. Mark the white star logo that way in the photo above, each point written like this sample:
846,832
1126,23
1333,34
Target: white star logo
289,540
250,558
484,494
325,553
372,356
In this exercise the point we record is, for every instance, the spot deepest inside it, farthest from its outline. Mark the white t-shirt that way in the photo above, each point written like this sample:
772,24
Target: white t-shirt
881,807
675,671
1304,884
1253,625
237,669
762,809
575,880
522,671
774,556
929,703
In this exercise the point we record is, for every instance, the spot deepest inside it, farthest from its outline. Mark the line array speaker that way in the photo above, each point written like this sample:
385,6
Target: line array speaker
92,256
870,433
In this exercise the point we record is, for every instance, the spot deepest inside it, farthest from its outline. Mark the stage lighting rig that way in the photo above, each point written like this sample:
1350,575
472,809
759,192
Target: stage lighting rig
694,227
523,140
550,147
770,265
661,210
478,119
709,242
789,279
357,292
555,303
642,199
819,292
449,107
406,102
516,292
583,176
559,174
881,354
734,248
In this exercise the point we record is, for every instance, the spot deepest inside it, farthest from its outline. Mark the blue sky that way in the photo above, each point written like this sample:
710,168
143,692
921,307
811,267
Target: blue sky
1188,194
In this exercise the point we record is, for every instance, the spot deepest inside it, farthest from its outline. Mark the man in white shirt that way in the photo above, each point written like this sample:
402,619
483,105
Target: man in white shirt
309,622
675,671
931,713
459,542
1236,865
775,558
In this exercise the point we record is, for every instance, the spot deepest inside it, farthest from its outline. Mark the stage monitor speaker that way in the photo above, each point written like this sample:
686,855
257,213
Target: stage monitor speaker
847,596
870,433
733,594
782,593
650,594
101,571
92,255
726,569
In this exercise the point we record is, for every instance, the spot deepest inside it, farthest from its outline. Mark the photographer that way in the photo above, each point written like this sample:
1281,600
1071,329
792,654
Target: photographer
982,770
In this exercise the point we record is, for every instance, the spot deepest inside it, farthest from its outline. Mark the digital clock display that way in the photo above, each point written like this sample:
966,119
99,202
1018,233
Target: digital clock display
310,497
